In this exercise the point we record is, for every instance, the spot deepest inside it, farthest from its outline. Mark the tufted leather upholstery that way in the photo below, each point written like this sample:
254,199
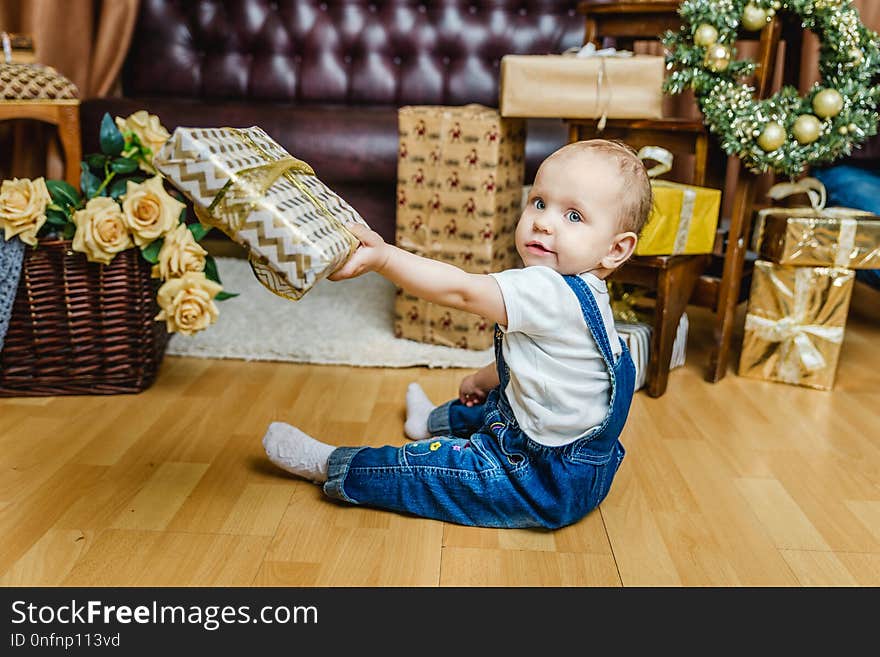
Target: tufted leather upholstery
325,78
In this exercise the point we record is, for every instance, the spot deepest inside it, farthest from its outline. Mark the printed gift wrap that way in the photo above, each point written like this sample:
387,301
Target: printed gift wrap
459,197
242,182
795,323
816,235
684,217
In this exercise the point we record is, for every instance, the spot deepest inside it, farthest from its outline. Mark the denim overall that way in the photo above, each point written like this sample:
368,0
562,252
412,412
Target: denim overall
480,468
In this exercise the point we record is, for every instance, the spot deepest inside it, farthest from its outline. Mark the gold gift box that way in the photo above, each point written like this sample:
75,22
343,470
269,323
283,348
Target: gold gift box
795,323
245,184
683,220
459,197
827,237
571,87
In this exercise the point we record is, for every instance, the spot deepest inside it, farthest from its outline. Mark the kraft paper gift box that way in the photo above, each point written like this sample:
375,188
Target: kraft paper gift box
795,323
459,197
816,235
683,218
245,184
610,84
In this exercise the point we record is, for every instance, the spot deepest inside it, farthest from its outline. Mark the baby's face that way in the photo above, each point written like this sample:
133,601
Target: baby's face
571,218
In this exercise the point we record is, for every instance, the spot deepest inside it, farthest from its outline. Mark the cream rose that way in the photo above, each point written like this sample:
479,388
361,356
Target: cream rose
149,131
101,232
179,254
23,208
149,210
187,303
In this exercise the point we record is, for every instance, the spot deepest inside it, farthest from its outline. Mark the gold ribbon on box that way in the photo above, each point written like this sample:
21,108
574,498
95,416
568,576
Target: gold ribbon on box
843,243
604,91
663,159
244,192
803,304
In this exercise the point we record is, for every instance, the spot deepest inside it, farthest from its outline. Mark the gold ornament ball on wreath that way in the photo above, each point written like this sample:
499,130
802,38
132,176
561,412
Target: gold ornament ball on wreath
718,58
753,18
772,137
705,35
806,129
827,103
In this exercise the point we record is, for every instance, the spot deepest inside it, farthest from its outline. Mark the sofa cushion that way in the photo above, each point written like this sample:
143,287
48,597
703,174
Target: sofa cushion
352,52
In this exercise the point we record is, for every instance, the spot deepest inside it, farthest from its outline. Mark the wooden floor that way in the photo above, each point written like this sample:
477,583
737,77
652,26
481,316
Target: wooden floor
736,483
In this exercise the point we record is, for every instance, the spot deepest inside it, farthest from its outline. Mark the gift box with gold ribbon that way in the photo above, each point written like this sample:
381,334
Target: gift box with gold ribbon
816,235
245,184
795,323
582,83
459,197
684,218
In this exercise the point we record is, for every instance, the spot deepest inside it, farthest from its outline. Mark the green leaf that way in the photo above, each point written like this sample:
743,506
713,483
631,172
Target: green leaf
151,251
96,161
198,230
211,272
57,217
68,231
112,140
222,296
118,188
63,193
123,165
89,182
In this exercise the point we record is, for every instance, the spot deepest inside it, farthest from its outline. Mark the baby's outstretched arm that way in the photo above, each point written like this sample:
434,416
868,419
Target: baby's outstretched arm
428,279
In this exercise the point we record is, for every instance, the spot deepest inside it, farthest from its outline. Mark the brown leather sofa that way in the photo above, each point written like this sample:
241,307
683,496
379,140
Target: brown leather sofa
325,78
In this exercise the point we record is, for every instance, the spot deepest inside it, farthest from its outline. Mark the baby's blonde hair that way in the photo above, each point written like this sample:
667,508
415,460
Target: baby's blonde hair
638,200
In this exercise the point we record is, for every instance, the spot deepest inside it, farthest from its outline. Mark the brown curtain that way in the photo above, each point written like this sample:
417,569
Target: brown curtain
84,40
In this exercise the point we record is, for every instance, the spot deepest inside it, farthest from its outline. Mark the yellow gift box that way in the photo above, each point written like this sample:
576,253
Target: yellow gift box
795,323
683,219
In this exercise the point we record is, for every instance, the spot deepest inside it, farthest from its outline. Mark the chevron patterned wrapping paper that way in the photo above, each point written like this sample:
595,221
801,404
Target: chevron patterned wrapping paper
244,183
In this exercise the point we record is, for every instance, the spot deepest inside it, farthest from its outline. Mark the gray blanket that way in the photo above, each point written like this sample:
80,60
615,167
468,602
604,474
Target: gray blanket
11,257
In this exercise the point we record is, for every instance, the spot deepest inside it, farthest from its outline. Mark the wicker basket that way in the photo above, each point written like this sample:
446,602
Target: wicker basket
81,328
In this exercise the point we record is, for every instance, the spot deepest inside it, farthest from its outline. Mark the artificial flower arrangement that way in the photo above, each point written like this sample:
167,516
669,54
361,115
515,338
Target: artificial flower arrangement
123,203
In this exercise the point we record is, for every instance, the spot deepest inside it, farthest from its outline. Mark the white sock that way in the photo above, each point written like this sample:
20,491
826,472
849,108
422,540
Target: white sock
297,452
418,408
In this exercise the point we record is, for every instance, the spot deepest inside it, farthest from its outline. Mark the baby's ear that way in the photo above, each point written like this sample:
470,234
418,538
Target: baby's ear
622,247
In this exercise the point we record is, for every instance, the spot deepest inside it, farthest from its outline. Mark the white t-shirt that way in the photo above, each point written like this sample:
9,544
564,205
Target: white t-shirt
559,386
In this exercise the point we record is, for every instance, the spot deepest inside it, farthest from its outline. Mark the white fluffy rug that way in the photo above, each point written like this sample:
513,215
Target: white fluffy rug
342,323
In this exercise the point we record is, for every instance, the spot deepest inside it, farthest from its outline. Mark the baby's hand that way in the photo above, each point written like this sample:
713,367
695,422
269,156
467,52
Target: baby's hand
470,393
371,255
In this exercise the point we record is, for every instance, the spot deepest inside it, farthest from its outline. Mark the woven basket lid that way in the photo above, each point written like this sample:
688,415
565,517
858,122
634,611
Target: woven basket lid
34,82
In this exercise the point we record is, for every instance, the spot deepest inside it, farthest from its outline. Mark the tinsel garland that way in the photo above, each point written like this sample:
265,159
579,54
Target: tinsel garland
849,60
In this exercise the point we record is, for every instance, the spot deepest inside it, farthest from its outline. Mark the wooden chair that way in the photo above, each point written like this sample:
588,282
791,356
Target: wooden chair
710,280
57,105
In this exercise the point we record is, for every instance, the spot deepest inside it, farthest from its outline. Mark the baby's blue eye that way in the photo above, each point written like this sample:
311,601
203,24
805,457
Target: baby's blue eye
539,204
574,216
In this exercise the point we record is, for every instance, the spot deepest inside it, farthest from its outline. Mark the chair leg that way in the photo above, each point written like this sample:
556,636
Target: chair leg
731,276
674,288
69,133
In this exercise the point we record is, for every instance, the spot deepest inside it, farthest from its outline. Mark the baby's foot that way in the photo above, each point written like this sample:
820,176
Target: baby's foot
418,408
297,452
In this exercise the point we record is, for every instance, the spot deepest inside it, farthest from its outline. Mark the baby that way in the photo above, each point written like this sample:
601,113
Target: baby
532,440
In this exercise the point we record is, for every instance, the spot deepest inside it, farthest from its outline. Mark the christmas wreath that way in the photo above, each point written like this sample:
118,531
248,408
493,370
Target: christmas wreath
787,131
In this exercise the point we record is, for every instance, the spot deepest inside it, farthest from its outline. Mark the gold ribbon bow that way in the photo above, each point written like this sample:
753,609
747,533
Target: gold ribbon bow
797,348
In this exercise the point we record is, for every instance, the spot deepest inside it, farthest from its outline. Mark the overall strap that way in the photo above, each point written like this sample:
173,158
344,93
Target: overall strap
592,316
